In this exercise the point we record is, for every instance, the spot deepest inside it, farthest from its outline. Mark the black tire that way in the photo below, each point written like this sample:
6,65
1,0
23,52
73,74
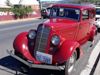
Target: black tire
69,64
18,54
99,30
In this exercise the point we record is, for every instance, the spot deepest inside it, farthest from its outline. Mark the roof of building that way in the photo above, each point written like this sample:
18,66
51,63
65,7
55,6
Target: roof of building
4,6
23,2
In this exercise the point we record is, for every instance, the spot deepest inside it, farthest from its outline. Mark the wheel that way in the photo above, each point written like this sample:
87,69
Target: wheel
18,54
99,30
69,64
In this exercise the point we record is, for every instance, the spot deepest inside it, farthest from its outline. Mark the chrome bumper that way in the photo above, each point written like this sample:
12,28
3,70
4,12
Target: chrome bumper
31,65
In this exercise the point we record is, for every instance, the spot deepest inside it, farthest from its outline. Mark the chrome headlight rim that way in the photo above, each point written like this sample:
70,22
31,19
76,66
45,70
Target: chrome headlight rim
32,34
55,40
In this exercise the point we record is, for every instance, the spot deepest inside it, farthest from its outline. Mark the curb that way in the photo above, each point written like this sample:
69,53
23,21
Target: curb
91,62
18,20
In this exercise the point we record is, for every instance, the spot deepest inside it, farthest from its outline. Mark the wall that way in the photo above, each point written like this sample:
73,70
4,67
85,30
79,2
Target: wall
6,15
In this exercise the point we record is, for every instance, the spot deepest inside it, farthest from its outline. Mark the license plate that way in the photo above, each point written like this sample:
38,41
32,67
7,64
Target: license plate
43,57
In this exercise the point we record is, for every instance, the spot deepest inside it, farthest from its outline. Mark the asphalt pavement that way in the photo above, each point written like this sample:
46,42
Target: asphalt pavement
10,66
8,32
93,65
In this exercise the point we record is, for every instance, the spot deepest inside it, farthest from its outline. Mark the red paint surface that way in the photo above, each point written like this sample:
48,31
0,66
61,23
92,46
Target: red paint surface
71,34
21,45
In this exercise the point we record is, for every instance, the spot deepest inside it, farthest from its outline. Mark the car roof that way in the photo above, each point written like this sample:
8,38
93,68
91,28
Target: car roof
79,6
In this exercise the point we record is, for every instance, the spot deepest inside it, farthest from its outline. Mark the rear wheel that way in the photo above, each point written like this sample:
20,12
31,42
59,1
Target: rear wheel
69,65
99,30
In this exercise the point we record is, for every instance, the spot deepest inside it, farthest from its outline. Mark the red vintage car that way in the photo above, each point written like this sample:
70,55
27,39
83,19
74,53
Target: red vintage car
56,44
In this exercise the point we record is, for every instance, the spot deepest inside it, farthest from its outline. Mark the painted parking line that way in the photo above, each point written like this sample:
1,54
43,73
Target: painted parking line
95,66
92,59
97,71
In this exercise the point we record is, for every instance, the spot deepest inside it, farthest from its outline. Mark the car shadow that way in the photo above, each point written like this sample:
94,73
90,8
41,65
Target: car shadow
10,65
14,65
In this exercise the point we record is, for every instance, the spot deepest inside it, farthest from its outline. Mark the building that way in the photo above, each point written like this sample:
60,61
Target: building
8,15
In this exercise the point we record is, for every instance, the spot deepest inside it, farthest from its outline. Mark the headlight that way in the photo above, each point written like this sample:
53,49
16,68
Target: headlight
55,40
32,34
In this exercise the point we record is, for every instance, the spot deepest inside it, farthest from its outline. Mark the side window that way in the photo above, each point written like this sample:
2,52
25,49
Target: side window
92,14
61,12
85,14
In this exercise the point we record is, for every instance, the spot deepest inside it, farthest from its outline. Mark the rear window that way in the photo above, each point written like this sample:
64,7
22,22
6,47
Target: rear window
85,14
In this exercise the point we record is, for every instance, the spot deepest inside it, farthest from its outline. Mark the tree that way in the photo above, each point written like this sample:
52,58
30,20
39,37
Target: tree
21,11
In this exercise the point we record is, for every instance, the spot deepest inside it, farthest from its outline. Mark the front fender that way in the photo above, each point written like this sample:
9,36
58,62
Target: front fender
20,45
66,50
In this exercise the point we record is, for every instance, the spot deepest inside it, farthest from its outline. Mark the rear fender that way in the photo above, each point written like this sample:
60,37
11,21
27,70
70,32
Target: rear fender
66,50
93,32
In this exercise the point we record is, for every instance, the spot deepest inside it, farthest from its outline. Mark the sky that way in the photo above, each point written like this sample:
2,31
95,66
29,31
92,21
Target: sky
3,2
50,0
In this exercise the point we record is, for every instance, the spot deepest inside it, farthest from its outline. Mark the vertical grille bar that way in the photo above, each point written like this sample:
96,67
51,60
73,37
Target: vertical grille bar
41,39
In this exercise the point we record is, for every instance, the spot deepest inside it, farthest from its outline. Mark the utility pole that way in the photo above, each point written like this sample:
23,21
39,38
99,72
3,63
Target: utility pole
20,1
40,5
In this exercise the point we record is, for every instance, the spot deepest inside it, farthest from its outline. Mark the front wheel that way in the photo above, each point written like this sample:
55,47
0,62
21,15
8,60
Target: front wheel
69,64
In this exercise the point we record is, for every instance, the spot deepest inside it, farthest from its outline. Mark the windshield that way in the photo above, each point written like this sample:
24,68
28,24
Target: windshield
98,11
69,13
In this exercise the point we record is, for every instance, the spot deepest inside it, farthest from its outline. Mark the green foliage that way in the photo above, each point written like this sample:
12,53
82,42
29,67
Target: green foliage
21,11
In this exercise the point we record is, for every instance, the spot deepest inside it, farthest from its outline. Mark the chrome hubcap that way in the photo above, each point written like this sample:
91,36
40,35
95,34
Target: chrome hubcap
71,63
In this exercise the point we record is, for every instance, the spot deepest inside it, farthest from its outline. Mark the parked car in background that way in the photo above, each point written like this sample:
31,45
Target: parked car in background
45,13
56,43
98,18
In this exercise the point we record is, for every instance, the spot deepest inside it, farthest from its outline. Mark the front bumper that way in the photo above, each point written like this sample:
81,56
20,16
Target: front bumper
32,65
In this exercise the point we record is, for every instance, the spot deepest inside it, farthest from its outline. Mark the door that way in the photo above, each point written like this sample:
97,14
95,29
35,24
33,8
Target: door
83,26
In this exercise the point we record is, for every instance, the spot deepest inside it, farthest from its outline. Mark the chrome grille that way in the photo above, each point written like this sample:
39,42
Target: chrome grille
42,38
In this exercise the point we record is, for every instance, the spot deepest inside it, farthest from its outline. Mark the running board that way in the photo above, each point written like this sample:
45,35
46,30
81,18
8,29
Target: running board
50,67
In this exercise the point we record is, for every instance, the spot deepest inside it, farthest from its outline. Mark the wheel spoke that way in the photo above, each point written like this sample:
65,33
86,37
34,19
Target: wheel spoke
71,62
